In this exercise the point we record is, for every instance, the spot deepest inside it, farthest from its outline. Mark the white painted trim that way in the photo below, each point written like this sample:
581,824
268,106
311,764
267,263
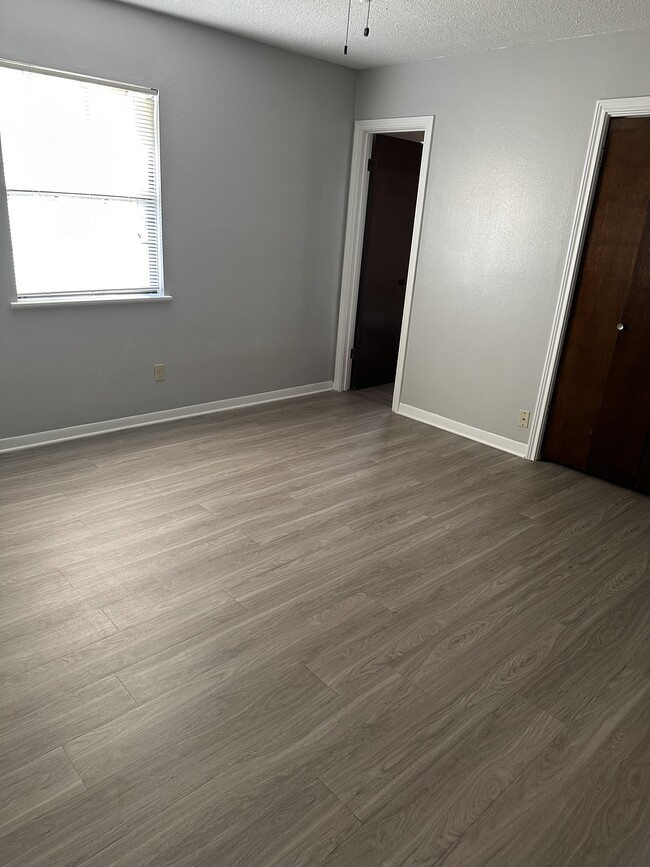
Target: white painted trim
77,76
87,300
464,430
357,198
605,109
26,441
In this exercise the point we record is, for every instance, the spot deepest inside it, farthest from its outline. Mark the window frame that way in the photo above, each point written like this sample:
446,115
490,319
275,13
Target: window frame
94,298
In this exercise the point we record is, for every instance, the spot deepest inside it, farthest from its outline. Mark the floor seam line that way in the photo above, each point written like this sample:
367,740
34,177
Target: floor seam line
66,579
76,769
326,685
341,802
108,616
128,690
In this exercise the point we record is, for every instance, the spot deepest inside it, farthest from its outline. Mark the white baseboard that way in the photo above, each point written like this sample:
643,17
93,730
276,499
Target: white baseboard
464,430
48,437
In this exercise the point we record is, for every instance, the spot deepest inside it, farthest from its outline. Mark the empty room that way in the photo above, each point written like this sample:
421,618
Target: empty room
324,433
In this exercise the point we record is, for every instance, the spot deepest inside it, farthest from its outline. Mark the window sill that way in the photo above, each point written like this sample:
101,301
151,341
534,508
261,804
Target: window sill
24,303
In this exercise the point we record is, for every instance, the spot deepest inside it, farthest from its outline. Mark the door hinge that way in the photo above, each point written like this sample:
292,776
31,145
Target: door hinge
371,165
352,352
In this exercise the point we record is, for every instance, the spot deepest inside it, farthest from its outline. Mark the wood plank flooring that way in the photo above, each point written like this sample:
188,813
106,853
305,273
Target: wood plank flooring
316,633
382,393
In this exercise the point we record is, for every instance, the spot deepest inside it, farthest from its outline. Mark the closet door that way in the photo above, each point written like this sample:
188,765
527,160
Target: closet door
599,417
621,434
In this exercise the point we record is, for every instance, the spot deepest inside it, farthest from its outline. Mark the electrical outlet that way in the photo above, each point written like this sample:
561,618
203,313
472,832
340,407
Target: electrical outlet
159,372
523,417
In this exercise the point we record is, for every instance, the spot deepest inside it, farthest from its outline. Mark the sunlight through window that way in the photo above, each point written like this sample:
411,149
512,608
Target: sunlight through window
83,192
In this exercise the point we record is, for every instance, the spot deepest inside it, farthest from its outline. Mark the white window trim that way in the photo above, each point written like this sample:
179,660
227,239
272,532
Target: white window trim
41,301
86,300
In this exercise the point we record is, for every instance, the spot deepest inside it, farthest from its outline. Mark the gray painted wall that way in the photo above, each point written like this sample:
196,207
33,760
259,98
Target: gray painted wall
509,144
255,146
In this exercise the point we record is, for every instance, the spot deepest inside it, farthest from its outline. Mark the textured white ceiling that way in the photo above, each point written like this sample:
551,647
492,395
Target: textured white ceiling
405,30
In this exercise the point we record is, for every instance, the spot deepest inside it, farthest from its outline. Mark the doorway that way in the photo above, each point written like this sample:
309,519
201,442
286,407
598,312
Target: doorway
387,187
394,170
599,416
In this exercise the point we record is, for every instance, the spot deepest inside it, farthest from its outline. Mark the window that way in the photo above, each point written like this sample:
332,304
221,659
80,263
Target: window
82,174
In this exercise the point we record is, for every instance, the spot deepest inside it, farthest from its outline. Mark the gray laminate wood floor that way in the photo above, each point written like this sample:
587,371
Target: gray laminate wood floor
382,393
316,633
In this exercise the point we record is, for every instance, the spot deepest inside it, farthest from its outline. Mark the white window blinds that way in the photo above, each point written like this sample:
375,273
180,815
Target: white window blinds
81,169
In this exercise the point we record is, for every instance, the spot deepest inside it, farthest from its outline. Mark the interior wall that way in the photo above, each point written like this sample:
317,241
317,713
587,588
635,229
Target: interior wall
509,143
255,152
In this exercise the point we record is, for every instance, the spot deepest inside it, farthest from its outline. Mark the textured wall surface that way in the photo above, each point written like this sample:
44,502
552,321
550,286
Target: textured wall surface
509,143
255,147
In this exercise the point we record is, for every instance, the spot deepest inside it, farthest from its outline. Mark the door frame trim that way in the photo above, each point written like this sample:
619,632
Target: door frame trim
364,130
637,106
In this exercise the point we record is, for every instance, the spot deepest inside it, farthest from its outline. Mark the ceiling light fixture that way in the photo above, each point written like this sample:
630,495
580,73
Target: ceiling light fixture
366,29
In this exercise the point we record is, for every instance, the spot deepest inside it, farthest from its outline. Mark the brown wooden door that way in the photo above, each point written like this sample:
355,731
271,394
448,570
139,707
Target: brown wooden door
599,419
392,193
